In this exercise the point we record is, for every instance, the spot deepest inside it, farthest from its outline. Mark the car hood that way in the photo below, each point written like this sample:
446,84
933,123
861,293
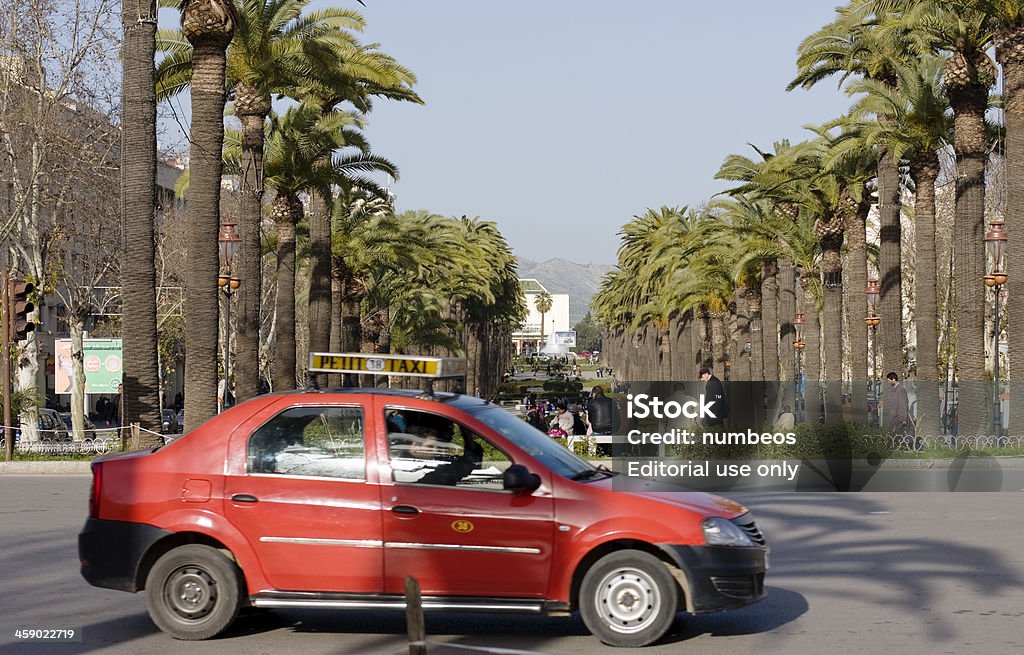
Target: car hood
699,502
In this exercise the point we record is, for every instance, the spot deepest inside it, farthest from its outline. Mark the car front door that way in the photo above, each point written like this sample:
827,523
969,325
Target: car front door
306,501
462,534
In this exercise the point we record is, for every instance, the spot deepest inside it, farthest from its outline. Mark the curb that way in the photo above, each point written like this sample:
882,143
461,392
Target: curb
45,468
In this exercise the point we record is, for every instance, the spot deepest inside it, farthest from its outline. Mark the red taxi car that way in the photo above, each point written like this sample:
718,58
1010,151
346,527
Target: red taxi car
330,499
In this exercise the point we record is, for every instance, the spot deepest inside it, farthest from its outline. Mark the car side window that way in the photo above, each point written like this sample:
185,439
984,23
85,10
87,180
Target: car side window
429,449
311,441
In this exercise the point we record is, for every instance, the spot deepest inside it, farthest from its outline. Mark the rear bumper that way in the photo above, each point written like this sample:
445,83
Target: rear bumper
720,577
111,552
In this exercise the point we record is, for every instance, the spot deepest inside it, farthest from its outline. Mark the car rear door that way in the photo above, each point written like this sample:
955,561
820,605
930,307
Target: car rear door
466,538
305,499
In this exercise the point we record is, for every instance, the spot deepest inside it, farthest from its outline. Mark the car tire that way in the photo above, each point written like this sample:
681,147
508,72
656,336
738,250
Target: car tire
194,592
628,599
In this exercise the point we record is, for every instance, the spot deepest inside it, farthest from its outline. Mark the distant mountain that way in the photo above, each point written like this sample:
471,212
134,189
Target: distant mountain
580,281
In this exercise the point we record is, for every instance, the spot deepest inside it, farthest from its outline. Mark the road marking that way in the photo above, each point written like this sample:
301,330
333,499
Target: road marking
879,512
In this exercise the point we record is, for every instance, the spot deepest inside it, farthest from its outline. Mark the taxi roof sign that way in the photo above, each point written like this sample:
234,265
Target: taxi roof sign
410,365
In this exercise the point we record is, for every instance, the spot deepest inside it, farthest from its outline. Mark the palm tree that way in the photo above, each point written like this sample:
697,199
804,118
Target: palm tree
138,189
1007,19
920,128
302,157
279,50
965,34
208,25
542,301
854,44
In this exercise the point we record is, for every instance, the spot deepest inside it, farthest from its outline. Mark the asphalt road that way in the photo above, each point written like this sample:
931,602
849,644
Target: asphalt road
859,573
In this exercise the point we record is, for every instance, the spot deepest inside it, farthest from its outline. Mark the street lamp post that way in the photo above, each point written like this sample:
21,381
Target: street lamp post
872,320
228,240
995,242
798,348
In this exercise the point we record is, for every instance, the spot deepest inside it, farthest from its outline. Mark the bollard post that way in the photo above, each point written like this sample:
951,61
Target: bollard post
135,436
414,618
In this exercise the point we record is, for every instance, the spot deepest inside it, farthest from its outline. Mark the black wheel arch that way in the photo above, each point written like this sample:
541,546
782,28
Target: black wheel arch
169,543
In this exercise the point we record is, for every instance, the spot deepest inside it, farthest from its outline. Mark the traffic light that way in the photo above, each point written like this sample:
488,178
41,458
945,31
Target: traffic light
20,309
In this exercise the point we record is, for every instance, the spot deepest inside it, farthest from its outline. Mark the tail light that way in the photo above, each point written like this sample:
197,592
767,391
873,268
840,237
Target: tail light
95,490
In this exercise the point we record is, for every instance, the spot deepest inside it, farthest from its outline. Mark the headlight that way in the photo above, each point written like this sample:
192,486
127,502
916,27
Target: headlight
720,532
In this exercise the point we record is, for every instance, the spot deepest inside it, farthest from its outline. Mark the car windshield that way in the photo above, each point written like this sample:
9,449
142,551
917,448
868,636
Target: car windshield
533,441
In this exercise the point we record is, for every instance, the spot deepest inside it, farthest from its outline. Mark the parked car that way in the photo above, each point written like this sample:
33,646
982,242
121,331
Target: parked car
51,427
332,498
169,422
90,428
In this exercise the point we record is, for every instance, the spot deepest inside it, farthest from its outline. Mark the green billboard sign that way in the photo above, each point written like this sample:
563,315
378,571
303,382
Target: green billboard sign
101,359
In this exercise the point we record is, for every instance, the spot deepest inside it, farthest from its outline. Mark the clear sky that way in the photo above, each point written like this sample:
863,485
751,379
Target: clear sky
562,119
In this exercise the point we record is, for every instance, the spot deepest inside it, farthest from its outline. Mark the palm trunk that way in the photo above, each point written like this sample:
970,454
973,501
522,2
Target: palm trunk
250,230
770,336
320,275
891,301
335,343
969,105
787,310
855,282
812,352
201,306
285,209
138,195
832,327
924,172
1009,53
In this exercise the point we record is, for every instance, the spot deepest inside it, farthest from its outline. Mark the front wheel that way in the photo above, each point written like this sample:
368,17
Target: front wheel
628,598
194,592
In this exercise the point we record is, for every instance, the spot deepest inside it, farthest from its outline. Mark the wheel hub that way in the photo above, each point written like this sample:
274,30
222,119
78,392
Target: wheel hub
191,593
628,599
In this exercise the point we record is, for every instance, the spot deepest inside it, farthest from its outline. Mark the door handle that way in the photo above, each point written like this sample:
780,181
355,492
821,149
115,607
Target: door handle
405,509
244,498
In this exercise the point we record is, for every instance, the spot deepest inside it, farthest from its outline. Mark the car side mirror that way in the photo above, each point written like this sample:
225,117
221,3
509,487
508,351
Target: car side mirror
518,478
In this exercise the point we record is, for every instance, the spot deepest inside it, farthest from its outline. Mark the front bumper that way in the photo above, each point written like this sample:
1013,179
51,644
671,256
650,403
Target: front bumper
720,577
111,552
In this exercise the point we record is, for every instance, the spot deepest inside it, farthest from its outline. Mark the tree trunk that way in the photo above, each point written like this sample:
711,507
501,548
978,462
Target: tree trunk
975,403
285,208
138,198
335,343
207,138
78,389
855,282
787,310
832,329
770,336
320,275
811,353
924,172
891,302
250,252
1010,54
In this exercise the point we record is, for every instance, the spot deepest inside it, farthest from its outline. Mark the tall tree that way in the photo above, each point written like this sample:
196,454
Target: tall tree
280,50
306,153
542,301
920,128
1007,18
208,25
855,44
140,398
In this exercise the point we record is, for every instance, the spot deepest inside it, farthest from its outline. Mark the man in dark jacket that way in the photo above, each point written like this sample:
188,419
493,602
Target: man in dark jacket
714,393
602,411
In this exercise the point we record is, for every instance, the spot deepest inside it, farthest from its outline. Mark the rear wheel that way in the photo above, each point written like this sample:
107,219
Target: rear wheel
194,592
628,598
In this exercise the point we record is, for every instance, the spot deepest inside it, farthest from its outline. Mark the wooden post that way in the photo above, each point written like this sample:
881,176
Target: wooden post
414,618
135,436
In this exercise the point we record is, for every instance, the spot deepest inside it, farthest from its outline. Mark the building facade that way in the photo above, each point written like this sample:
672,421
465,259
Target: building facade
530,338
